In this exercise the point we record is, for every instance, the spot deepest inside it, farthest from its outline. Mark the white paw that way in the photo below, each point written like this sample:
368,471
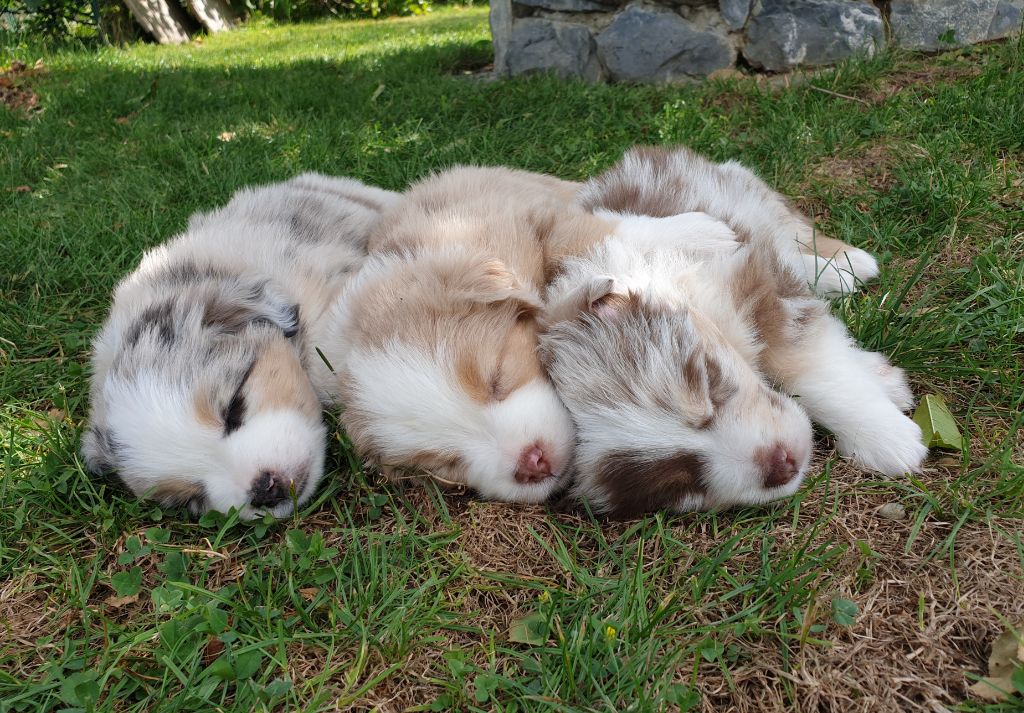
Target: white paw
842,274
890,445
699,227
859,262
893,380
694,233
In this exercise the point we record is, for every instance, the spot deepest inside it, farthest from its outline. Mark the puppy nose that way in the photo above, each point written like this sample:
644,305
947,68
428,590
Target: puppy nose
779,465
269,489
533,466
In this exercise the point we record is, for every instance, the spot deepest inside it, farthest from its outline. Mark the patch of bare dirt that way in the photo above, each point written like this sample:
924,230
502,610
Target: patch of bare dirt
493,539
15,91
871,167
734,85
921,75
29,610
920,628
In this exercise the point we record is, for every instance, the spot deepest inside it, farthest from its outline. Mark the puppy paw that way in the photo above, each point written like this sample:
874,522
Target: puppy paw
698,231
842,274
859,263
893,380
889,445
694,233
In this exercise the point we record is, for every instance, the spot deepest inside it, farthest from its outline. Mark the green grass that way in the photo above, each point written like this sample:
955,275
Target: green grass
391,597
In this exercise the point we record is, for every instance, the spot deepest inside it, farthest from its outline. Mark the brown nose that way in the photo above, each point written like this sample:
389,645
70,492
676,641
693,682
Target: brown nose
778,464
533,466
269,489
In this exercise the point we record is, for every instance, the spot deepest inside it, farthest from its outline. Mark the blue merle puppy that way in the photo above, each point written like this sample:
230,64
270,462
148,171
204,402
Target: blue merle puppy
202,388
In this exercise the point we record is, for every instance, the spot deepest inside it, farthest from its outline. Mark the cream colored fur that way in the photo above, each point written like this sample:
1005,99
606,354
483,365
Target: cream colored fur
443,314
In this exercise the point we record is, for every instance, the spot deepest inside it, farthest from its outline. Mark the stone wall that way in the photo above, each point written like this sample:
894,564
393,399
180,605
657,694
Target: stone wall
673,40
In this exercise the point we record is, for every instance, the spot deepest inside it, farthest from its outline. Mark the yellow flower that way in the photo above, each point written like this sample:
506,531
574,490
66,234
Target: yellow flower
610,632
544,597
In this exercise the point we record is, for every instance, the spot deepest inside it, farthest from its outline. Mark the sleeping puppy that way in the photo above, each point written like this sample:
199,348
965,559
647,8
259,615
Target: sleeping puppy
666,353
433,346
654,181
435,342
200,394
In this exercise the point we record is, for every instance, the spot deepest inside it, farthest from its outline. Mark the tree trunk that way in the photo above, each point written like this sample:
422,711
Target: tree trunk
214,15
163,19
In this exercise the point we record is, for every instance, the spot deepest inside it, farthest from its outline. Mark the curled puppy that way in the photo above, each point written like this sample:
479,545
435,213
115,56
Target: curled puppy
858,395
200,394
435,342
658,182
666,357
659,371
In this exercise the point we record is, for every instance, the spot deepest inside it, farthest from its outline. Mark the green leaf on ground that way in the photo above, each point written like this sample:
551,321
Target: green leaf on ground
222,668
844,611
711,650
127,583
938,427
80,689
248,663
531,629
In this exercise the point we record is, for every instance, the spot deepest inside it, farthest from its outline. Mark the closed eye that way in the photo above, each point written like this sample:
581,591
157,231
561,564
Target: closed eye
234,414
720,388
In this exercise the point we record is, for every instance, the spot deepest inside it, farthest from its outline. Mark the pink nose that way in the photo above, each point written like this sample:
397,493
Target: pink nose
533,467
778,464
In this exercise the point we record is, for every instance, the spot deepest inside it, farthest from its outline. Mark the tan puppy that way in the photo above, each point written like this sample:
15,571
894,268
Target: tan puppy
435,341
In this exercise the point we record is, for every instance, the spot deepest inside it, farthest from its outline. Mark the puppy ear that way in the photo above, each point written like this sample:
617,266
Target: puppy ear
603,298
599,297
99,450
494,283
233,306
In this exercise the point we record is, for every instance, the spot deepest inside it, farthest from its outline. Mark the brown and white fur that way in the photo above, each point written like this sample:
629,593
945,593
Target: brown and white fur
435,342
200,394
666,352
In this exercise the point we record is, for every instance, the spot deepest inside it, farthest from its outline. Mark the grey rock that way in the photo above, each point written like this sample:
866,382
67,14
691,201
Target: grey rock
892,511
782,34
538,45
566,5
501,28
919,24
596,22
654,45
1007,20
734,12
